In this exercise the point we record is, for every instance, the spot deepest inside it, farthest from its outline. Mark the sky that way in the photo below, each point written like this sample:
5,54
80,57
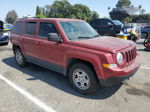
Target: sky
24,7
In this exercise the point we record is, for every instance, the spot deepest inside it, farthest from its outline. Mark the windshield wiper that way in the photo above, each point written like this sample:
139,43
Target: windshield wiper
96,35
89,37
85,37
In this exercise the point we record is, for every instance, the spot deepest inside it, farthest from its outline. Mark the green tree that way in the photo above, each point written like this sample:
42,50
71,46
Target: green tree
40,16
142,11
64,9
38,10
59,9
94,15
108,8
122,3
127,19
11,17
140,7
82,12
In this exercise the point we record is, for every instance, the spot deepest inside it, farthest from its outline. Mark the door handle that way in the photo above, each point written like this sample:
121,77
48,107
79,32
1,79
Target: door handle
37,42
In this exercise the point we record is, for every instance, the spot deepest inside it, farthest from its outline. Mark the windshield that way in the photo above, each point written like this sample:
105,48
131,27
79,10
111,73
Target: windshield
116,22
76,30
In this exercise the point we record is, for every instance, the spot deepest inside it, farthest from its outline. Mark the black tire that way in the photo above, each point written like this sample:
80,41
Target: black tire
93,82
146,41
22,62
6,44
144,35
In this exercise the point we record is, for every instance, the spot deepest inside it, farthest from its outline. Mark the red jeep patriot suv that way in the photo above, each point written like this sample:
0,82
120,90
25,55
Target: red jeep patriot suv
74,49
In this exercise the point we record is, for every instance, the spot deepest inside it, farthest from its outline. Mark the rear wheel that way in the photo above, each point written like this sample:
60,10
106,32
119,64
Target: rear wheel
19,57
82,78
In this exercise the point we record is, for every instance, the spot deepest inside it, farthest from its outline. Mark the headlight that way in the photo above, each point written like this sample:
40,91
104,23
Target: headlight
119,58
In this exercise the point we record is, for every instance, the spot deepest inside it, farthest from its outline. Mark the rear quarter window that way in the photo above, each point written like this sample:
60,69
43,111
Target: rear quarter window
17,28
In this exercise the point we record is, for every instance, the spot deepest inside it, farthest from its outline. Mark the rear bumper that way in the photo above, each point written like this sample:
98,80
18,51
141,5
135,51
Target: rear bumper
119,75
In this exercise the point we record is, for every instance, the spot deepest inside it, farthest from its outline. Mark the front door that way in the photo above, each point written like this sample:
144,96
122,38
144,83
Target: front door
50,52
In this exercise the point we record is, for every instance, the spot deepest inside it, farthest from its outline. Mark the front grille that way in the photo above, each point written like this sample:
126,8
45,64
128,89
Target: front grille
130,55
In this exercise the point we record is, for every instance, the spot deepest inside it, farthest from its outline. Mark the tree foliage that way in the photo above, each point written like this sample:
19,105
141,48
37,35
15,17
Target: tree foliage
38,10
60,9
94,15
40,16
142,11
141,17
64,9
11,17
122,3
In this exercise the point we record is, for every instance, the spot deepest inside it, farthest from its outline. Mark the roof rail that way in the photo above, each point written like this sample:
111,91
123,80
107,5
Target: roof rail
26,17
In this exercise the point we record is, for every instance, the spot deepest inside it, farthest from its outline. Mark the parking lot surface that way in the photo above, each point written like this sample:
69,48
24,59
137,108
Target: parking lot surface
36,89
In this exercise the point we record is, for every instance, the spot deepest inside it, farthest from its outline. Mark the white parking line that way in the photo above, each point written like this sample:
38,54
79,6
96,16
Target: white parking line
35,100
144,67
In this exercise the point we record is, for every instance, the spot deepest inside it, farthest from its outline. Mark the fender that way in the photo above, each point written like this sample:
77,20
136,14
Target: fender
17,42
86,56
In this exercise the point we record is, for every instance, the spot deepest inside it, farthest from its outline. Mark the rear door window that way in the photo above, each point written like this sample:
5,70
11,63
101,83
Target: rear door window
17,28
46,28
29,28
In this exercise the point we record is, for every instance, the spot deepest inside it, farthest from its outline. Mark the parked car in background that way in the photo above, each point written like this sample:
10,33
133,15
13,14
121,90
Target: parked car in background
4,37
73,48
145,31
106,26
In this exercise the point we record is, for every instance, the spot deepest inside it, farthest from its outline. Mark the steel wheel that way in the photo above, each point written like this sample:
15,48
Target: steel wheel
81,79
19,57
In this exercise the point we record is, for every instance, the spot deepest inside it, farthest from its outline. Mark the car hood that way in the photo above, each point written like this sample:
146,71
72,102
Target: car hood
105,43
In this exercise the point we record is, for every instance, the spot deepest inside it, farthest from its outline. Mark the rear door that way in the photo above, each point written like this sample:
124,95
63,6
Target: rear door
29,41
16,34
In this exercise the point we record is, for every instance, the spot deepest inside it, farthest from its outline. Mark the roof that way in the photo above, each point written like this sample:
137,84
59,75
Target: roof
47,19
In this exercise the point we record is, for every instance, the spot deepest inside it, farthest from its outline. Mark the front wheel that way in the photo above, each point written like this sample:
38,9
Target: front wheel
83,79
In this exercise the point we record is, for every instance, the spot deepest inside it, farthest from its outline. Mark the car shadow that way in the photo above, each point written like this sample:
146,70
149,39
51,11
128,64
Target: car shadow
143,50
141,43
59,81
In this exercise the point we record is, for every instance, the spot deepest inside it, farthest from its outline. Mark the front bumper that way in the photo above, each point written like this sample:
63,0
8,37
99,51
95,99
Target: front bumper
119,75
116,80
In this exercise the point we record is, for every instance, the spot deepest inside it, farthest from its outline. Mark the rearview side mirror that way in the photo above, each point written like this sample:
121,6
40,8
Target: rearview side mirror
54,37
